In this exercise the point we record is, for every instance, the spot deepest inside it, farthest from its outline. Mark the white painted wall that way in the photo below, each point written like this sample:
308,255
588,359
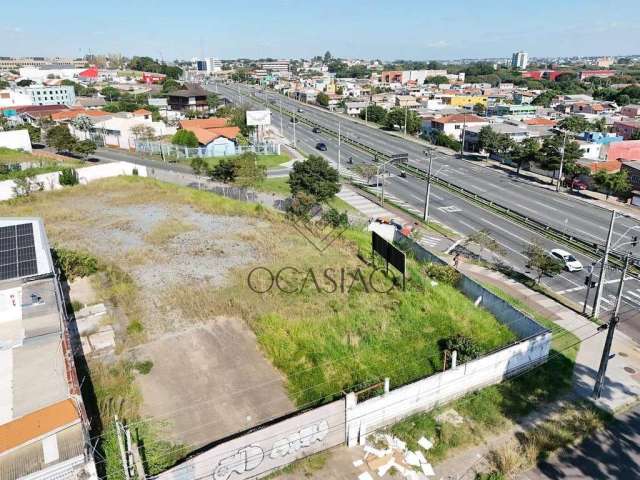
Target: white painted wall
86,175
16,140
364,418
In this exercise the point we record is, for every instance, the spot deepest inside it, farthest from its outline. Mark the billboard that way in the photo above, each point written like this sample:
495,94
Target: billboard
258,117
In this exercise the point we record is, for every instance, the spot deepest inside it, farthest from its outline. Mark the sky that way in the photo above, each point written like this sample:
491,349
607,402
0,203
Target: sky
400,29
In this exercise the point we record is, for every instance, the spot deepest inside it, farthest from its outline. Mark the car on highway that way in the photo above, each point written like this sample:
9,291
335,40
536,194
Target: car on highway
300,110
321,146
570,263
316,130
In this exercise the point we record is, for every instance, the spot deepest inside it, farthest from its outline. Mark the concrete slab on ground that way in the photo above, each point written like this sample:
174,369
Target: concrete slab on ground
230,386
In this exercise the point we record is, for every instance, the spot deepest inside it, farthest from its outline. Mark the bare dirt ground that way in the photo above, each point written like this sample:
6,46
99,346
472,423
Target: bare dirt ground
170,249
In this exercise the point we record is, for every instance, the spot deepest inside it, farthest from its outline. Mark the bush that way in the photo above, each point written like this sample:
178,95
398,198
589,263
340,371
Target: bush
135,327
75,264
335,218
467,349
134,172
143,367
185,138
442,273
68,177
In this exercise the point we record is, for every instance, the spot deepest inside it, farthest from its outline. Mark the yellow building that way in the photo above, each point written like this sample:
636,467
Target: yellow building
464,100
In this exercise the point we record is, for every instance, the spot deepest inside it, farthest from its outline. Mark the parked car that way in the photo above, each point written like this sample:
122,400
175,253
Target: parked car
571,263
316,130
321,146
300,110
579,185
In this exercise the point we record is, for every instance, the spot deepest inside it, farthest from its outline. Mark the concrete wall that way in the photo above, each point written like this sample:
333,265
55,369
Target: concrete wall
86,174
364,418
16,140
262,451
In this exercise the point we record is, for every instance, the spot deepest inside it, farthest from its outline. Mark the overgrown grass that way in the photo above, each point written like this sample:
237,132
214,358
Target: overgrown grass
305,467
269,161
276,185
493,409
567,427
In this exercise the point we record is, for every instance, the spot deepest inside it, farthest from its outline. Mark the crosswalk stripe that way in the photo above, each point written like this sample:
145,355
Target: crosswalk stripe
633,293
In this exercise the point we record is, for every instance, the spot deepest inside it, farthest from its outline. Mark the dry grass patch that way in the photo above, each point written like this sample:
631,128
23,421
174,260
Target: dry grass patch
167,230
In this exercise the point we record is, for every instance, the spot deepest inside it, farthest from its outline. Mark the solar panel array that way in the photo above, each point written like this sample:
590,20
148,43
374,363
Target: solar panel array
17,252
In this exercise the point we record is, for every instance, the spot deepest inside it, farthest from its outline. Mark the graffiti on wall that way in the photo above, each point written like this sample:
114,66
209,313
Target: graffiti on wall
249,458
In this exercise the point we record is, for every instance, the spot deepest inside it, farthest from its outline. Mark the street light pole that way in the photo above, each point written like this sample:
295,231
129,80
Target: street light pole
294,130
425,215
597,389
605,259
339,152
405,120
564,144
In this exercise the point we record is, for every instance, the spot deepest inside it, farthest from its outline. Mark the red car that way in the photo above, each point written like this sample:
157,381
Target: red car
579,185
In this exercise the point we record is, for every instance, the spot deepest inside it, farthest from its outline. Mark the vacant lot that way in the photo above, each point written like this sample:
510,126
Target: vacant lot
10,161
177,262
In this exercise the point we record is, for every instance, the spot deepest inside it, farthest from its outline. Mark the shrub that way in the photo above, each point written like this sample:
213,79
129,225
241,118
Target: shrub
185,138
335,218
134,172
442,273
467,349
135,327
68,177
75,264
143,367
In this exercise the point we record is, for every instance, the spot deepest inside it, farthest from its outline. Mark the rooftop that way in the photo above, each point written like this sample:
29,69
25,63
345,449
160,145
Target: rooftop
460,118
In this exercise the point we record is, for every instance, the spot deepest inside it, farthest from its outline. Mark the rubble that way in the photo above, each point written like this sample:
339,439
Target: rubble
395,458
450,416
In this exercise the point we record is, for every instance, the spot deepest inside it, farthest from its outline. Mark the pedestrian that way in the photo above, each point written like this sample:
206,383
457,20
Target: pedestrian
456,260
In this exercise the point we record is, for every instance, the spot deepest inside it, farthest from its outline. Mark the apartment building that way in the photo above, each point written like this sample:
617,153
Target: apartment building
53,95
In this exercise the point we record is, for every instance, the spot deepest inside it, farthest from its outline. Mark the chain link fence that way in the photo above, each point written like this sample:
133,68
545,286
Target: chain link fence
170,151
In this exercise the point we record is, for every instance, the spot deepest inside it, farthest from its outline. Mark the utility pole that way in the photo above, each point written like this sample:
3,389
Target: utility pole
294,130
605,259
339,145
425,215
597,389
464,128
281,126
406,110
564,144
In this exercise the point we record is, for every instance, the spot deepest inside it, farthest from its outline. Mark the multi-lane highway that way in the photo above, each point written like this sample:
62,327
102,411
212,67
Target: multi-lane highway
570,215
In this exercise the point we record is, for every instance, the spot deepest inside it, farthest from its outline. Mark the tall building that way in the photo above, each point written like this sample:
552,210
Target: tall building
208,64
520,60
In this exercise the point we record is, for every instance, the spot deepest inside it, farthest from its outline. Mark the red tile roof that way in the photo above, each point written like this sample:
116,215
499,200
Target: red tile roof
541,122
460,118
141,112
76,112
206,136
213,122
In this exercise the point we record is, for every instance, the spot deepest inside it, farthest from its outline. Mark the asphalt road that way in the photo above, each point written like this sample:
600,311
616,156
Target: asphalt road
571,215
613,453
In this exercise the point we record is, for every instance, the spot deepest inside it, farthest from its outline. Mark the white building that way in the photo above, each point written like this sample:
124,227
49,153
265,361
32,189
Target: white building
55,95
42,74
115,131
214,65
520,60
14,98
16,140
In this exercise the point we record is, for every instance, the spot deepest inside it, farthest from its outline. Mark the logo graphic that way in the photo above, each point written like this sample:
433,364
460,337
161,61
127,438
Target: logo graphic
320,234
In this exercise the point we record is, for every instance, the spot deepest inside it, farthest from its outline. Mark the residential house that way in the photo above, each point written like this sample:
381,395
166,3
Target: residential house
354,108
34,113
117,129
454,125
193,98
44,430
407,101
91,102
214,134
631,111
521,110
516,131
627,129
464,100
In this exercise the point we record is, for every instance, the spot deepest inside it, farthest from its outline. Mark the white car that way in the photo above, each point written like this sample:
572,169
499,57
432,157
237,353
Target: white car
570,262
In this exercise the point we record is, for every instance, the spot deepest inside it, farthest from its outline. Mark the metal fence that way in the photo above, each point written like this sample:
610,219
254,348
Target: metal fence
168,150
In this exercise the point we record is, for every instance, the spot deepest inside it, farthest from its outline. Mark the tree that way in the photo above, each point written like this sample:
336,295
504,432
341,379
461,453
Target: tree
314,176
301,205
613,183
525,152
83,124
170,85
322,99
224,171
373,113
199,166
551,153
488,139
327,57
484,240
544,99
436,80
479,109
541,262
68,177
575,123
213,100
3,84
60,138
366,171
249,174
397,116
143,132
186,138
84,148
110,93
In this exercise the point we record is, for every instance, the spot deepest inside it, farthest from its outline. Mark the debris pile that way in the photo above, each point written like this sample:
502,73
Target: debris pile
395,456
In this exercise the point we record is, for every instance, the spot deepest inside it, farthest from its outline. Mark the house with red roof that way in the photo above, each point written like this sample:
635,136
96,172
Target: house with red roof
214,134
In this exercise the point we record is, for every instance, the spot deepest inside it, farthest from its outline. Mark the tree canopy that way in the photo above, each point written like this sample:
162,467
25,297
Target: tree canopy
185,138
396,117
148,64
314,176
